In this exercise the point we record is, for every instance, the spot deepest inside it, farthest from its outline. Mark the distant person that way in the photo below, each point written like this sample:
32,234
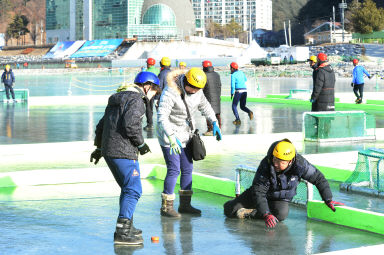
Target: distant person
274,186
165,64
149,103
239,92
212,92
323,94
182,65
358,80
26,65
313,64
119,140
8,78
183,92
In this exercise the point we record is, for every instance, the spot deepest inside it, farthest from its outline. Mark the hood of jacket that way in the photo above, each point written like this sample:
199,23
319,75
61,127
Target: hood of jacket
326,67
208,69
120,98
175,80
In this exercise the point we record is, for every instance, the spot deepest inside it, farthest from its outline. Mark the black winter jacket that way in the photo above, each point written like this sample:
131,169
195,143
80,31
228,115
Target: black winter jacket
212,89
323,93
267,185
119,131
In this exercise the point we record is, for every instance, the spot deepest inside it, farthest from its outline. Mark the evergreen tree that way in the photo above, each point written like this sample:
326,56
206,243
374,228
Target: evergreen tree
368,18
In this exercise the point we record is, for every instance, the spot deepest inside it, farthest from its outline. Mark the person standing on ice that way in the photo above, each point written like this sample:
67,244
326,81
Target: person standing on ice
212,91
239,92
313,64
358,80
8,78
274,186
119,140
183,93
323,94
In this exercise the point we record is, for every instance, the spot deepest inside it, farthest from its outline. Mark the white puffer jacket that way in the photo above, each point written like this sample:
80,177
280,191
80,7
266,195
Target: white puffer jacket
172,114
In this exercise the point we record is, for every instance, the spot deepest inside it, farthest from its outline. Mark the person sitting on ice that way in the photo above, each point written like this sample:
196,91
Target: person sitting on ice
274,186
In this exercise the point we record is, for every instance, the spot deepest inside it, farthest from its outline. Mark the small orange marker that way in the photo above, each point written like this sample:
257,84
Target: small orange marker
155,239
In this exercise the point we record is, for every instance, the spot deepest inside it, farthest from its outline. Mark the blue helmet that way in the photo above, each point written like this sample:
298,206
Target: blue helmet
144,77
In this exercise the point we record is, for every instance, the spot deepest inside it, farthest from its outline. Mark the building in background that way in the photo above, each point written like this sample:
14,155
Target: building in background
254,14
322,34
69,20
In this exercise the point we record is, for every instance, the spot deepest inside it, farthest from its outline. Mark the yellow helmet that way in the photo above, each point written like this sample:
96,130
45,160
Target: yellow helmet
183,64
196,77
284,150
7,66
313,59
165,61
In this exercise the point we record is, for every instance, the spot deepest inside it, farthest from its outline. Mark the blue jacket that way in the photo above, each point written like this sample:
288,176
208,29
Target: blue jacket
358,74
8,77
267,185
238,80
163,77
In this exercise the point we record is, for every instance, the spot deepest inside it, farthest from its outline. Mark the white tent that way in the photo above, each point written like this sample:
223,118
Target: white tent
253,51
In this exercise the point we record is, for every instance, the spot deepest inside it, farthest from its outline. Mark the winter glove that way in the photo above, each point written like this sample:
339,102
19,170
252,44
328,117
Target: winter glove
144,148
231,96
216,131
352,84
270,220
331,204
96,155
311,100
175,145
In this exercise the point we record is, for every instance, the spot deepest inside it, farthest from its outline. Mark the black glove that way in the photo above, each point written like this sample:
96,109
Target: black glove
144,148
231,96
96,154
352,84
331,204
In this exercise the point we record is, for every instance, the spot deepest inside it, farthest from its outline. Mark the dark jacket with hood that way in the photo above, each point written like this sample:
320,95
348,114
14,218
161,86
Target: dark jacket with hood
8,78
119,132
212,89
323,94
163,76
269,185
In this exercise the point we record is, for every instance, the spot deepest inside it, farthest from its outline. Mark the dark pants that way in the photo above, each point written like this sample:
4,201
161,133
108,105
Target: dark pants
176,163
149,111
358,88
209,124
278,208
9,88
242,97
127,175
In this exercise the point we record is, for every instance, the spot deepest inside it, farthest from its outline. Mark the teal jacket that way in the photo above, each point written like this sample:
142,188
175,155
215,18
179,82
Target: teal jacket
238,80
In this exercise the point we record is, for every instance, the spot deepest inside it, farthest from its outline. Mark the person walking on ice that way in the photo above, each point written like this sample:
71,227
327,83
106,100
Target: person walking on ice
274,186
183,94
8,78
239,92
358,80
119,140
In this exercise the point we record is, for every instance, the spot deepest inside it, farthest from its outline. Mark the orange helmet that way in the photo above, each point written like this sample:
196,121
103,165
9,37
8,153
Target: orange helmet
234,65
322,57
151,61
207,63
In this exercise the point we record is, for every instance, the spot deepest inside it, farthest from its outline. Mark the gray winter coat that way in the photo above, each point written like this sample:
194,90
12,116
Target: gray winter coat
172,114
212,89
119,132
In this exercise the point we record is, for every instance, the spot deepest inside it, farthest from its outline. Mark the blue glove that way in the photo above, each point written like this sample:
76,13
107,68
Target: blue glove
175,143
216,131
312,100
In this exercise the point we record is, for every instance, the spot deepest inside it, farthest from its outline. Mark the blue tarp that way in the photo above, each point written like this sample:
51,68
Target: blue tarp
97,48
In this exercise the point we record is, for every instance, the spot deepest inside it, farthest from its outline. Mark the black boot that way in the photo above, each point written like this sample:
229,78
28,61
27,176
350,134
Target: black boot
167,206
124,234
135,231
185,203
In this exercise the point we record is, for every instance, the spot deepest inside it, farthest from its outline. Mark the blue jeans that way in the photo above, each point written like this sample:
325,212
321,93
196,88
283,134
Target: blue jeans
127,175
242,97
175,163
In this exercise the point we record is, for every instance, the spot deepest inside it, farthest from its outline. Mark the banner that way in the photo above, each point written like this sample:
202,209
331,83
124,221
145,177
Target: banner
64,49
97,48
